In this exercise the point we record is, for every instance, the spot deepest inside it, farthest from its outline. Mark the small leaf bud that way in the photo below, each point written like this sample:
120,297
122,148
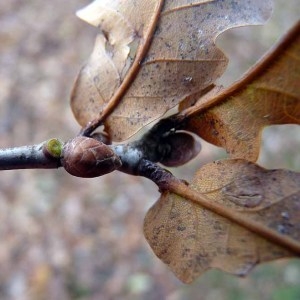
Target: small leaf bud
53,148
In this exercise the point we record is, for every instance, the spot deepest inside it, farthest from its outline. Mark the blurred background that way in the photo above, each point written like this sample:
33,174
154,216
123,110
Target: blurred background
69,238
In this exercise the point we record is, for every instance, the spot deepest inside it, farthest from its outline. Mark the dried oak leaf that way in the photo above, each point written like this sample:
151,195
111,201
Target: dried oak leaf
152,54
268,94
263,222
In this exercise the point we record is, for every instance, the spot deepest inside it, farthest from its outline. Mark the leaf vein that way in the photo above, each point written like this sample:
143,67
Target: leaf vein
182,7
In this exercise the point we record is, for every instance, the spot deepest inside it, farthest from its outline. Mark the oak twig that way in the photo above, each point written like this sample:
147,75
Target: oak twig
28,157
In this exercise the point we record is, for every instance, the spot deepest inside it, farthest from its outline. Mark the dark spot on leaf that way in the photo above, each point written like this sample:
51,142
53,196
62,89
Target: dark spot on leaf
181,227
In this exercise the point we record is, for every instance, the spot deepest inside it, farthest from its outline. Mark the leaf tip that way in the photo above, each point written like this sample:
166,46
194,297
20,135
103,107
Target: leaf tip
89,13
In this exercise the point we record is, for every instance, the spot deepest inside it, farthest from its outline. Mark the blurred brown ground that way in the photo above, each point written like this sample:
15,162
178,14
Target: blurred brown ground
69,238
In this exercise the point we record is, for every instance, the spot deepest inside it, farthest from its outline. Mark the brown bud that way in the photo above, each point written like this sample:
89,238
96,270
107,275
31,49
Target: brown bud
183,148
87,157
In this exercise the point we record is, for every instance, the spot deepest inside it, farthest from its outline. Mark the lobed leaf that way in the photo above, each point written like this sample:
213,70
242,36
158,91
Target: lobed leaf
191,235
150,55
268,94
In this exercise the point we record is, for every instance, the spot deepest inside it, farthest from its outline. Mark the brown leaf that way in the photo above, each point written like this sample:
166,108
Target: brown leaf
233,216
268,94
150,55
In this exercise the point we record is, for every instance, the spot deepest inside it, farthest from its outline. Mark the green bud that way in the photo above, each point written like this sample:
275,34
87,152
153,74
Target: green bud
54,147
